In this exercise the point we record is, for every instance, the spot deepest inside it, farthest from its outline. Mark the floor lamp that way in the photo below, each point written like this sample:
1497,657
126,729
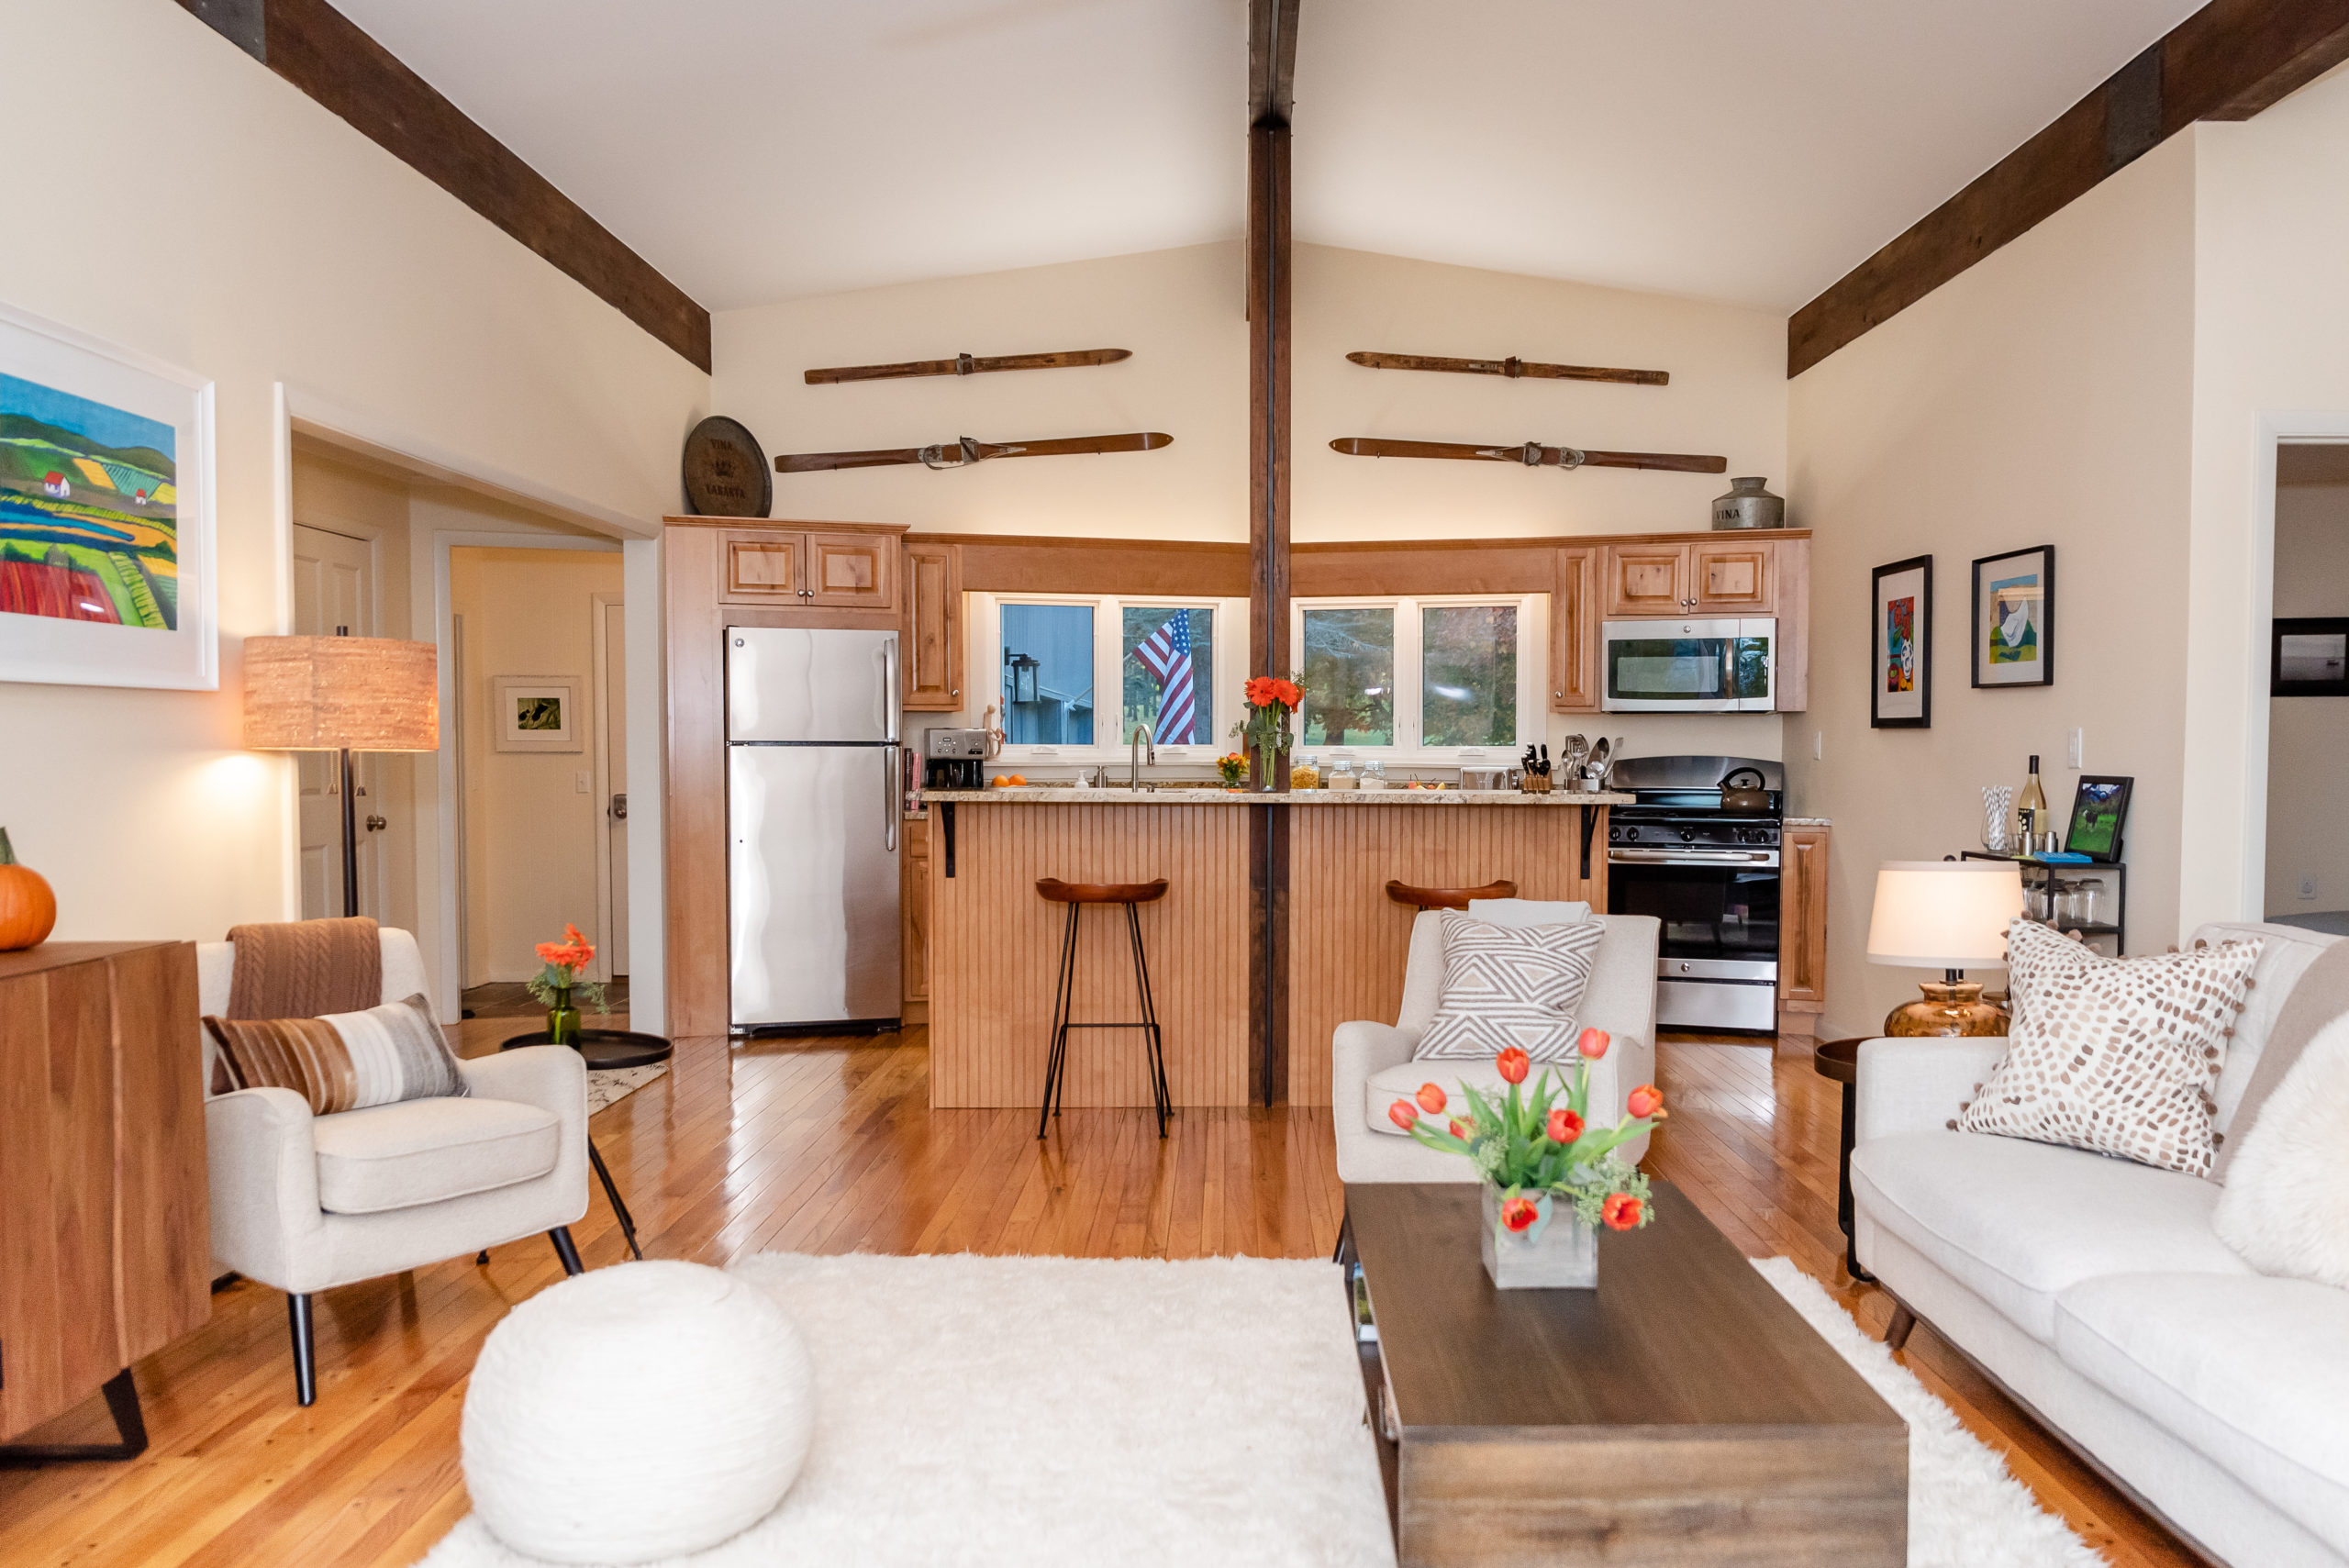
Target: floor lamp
342,693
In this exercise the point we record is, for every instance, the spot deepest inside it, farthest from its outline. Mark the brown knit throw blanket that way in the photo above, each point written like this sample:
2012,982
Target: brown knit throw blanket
306,969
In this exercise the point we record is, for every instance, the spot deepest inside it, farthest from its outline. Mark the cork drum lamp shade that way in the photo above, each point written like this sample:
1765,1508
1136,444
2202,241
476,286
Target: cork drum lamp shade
341,693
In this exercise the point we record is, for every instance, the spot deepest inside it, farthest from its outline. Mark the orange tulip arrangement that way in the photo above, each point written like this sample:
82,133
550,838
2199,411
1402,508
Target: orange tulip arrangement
555,984
1534,1145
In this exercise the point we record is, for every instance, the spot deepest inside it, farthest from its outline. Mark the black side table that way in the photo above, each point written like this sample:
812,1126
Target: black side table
1840,1059
626,1048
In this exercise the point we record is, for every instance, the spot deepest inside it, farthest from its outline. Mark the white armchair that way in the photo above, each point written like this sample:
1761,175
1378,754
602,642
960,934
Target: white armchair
305,1202
1372,1066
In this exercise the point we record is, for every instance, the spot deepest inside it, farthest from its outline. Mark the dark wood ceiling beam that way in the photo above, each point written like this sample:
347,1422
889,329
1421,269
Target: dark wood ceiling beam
1272,60
2228,61
328,56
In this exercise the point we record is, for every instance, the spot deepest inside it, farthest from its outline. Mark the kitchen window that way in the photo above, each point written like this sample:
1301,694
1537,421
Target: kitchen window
1075,676
1448,679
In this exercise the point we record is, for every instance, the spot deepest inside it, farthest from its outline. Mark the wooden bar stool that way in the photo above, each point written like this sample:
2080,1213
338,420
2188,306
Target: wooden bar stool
1447,897
1076,895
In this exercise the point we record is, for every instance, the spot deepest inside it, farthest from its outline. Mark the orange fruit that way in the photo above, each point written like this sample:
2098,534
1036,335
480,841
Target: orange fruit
1019,778
999,780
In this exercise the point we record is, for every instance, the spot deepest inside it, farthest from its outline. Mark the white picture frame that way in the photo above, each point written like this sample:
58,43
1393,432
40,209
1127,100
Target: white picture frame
536,713
108,559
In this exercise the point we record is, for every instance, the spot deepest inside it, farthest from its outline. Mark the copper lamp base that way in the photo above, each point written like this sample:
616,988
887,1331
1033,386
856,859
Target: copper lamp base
1947,1007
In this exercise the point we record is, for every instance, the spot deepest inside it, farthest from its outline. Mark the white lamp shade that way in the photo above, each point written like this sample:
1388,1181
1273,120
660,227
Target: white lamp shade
1945,914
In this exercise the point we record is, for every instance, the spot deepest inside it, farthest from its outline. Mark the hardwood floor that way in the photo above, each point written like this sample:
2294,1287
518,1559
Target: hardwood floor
829,1146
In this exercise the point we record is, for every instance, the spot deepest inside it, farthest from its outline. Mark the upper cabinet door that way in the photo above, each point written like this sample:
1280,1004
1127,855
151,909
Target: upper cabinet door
933,628
1573,633
1645,580
762,568
1737,579
852,570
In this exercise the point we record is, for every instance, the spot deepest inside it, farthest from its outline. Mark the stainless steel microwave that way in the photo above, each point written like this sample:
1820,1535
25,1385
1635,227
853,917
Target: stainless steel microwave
1688,666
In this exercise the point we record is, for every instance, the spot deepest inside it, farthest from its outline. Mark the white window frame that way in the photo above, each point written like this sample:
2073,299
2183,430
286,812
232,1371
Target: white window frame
1532,676
1110,728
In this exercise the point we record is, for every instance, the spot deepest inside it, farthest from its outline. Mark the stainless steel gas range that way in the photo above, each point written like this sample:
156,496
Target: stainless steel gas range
1711,876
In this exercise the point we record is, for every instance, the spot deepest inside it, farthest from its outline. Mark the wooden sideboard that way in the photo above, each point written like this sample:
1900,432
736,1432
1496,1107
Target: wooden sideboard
1802,929
105,1235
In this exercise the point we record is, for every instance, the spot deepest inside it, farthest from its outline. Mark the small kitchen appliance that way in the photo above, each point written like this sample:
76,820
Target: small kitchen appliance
1693,665
954,759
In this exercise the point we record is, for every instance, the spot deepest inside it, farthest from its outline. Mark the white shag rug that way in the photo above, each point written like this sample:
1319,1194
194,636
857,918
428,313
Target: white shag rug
607,1086
1046,1411
1966,1510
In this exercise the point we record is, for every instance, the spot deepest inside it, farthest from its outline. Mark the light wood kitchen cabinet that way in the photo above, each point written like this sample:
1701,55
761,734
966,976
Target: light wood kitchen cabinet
913,918
1573,633
790,569
1679,578
105,1241
1645,579
1733,579
933,629
1802,929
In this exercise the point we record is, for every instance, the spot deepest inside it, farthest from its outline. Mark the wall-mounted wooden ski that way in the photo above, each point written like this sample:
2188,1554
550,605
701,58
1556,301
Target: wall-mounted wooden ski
965,364
1512,368
1533,454
965,451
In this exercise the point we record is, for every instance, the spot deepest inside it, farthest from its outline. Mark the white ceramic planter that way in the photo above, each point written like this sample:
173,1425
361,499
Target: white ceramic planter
1559,1252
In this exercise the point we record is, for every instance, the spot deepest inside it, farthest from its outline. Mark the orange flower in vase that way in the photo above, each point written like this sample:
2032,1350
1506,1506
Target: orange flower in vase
1514,1064
1621,1211
1564,1127
1646,1101
1519,1213
555,985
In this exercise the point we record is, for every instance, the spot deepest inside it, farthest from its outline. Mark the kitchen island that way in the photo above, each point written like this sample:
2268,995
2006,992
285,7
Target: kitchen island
1327,856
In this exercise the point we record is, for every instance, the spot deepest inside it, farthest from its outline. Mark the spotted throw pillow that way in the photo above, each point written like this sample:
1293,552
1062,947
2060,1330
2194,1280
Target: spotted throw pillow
344,1061
2116,1055
1505,987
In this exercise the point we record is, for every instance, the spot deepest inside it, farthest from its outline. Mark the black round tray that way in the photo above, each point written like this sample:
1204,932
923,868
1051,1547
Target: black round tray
604,1048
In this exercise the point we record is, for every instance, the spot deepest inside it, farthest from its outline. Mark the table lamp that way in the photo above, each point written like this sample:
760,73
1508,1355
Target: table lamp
1945,915
342,693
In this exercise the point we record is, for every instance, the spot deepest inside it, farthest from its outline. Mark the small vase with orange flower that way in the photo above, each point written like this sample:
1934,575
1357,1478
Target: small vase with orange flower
1552,1181
555,985
1269,700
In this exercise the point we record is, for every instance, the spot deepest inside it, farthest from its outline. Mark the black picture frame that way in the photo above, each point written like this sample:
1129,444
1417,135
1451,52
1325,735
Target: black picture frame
2096,799
2332,681
1989,568
1894,714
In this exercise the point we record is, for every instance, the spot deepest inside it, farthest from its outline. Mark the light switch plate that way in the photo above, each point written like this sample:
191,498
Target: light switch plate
2077,748
578,781
2308,887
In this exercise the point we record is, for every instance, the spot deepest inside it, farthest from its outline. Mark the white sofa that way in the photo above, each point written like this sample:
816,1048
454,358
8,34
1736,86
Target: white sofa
2097,1291
1371,1066
305,1202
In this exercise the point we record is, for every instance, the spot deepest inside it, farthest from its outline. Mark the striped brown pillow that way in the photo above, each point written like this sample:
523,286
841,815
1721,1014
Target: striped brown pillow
344,1061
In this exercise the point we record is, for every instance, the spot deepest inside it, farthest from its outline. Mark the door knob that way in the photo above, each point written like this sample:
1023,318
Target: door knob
376,824
620,808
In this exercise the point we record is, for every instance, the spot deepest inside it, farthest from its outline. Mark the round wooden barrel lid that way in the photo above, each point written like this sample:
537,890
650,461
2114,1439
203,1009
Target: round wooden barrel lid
726,473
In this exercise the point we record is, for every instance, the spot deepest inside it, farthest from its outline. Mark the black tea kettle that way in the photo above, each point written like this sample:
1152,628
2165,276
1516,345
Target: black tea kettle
1752,801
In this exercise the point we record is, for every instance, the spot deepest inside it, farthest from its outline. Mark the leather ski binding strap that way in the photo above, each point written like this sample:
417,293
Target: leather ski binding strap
966,450
964,364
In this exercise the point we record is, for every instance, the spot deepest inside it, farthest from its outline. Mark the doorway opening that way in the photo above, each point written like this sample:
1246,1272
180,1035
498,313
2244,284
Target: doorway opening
539,720
2308,704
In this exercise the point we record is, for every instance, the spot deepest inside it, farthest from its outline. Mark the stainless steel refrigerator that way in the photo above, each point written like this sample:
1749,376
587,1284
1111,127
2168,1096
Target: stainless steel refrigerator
812,809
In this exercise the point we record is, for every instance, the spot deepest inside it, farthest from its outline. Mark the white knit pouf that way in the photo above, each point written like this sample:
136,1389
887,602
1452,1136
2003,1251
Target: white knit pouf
636,1412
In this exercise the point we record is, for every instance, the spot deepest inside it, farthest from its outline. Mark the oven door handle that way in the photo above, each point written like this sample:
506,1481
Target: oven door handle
1692,857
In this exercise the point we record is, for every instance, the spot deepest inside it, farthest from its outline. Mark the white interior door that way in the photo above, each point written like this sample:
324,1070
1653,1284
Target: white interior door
611,677
334,585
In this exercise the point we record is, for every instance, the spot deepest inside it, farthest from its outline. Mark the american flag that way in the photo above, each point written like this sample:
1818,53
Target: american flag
1166,654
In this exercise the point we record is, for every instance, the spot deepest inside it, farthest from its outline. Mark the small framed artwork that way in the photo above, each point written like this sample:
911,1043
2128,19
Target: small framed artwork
2014,618
2311,658
2099,811
106,548
537,713
1902,641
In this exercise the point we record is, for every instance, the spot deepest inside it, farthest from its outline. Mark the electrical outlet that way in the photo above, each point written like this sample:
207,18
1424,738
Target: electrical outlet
578,781
2077,747
2308,887
1818,745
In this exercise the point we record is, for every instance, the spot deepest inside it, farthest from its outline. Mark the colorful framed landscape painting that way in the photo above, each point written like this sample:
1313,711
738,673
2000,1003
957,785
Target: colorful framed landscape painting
2014,618
1901,694
106,546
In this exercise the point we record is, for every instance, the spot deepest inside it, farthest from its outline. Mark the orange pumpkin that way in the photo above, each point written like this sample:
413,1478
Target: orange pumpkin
28,909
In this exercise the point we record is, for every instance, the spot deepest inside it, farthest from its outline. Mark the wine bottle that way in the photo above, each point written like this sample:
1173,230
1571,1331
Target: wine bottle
2031,810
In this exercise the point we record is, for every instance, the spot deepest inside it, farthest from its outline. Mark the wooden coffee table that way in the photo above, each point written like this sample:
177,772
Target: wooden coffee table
1682,1413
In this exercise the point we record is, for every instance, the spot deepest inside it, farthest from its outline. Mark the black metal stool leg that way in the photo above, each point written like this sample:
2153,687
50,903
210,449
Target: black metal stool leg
619,1210
1155,1054
1064,999
122,1404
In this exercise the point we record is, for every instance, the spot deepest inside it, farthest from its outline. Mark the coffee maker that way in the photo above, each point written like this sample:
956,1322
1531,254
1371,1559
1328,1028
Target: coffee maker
954,759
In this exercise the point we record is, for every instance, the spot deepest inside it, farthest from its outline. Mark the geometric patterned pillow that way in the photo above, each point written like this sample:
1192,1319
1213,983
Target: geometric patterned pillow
2116,1055
344,1061
1505,987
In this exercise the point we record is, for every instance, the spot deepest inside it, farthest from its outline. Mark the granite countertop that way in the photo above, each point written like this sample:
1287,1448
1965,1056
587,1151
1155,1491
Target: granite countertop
1806,822
1062,795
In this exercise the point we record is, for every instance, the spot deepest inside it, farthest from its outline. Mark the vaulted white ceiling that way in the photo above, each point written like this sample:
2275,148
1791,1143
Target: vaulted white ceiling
1747,150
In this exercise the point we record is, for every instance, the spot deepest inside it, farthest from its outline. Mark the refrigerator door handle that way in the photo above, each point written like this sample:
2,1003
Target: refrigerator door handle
889,810
889,687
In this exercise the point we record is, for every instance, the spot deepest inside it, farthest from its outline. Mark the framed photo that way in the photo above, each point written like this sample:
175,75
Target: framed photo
1902,646
107,545
537,713
2014,618
2099,812
2311,658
